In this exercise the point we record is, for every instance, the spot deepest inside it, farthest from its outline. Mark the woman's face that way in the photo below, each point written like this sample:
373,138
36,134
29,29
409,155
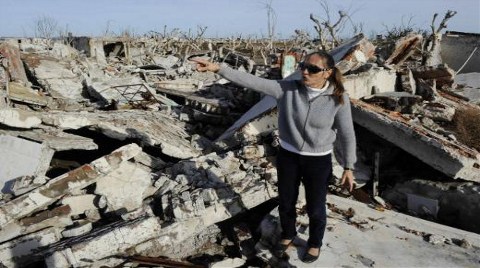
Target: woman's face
312,79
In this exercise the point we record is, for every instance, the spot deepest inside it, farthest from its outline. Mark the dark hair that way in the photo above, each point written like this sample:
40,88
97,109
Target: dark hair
336,78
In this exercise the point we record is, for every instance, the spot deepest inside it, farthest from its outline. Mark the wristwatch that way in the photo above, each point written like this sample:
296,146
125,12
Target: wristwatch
348,169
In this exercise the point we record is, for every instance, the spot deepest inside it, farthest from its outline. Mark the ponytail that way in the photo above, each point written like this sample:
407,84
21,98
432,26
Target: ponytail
337,79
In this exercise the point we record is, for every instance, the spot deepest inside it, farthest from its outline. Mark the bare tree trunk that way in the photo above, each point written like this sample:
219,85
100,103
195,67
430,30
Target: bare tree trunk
431,49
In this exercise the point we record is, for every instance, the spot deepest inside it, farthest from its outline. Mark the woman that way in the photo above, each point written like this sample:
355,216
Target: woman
312,113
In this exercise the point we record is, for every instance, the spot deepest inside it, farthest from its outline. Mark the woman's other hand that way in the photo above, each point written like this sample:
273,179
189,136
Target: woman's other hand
204,65
348,180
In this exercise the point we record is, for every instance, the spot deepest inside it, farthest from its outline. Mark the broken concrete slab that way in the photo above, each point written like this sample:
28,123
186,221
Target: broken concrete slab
125,188
449,157
376,80
195,97
118,238
393,101
20,93
62,88
357,55
347,48
115,90
404,48
150,161
19,118
59,186
54,138
56,76
20,157
151,128
4,100
20,252
24,184
441,73
166,62
45,67
58,217
15,65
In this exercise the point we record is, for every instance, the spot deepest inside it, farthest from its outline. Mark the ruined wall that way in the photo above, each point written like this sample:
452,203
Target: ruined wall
457,47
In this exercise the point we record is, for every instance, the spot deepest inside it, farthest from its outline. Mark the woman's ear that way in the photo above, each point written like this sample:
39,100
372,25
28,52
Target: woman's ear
330,73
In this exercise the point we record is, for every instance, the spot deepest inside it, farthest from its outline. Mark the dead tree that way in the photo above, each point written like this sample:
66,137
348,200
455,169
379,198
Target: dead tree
327,27
431,50
45,27
271,22
320,31
193,41
302,39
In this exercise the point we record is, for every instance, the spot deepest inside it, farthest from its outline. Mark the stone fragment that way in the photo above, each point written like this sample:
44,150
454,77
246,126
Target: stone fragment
20,93
441,73
404,48
79,228
235,262
19,118
124,188
24,184
79,203
20,158
58,217
15,65
253,151
166,62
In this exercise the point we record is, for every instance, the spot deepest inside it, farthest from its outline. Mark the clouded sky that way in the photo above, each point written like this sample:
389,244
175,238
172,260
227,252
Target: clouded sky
227,17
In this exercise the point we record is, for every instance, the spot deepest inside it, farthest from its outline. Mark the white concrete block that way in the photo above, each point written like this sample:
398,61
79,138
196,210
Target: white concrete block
79,203
125,187
80,229
20,157
19,118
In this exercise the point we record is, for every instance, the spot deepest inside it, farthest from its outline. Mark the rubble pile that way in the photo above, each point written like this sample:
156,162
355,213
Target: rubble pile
115,149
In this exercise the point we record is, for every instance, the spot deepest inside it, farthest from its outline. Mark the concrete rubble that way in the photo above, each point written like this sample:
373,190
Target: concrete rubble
363,237
114,151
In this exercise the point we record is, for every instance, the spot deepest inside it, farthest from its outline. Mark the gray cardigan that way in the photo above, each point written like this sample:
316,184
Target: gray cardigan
309,125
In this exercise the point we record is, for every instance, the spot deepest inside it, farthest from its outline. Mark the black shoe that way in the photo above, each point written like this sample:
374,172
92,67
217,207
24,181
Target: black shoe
280,249
309,258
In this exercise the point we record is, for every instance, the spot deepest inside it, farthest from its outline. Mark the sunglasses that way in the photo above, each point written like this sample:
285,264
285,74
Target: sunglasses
312,69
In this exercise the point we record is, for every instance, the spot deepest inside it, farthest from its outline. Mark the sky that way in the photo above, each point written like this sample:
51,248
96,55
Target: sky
226,18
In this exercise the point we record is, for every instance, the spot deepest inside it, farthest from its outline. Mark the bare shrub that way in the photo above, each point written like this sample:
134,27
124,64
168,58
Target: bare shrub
45,27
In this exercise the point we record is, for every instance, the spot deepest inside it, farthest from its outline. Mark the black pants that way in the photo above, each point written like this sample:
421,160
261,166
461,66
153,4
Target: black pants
314,172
